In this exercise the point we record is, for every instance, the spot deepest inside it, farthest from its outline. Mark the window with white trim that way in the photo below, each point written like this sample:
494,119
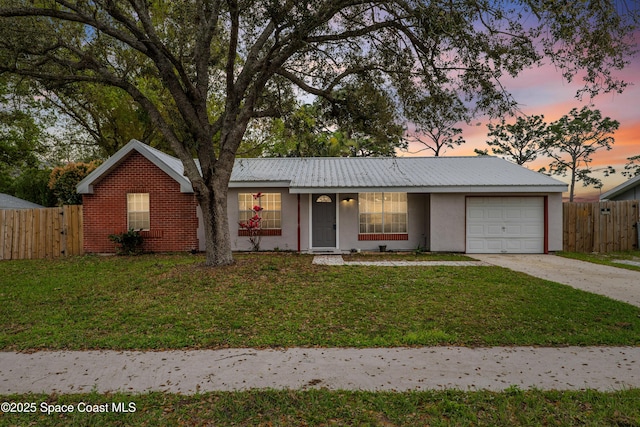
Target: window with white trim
382,212
271,209
138,211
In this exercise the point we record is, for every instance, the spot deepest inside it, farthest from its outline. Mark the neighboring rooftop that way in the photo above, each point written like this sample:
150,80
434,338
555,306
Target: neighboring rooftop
11,202
622,188
356,174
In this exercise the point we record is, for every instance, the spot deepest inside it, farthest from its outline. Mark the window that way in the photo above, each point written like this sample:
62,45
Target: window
324,199
270,213
382,212
138,211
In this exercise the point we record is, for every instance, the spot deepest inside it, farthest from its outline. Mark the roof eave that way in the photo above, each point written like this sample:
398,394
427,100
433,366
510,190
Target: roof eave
436,189
258,184
615,191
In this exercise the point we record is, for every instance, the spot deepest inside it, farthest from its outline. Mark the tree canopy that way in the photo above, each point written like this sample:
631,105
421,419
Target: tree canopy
520,142
21,130
363,123
106,114
572,141
435,118
204,69
632,168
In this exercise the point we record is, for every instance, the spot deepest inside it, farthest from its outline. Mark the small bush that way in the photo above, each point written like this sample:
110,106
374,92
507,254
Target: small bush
130,242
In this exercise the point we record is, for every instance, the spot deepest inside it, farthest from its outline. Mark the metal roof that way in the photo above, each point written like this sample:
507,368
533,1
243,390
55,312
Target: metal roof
399,173
355,174
11,202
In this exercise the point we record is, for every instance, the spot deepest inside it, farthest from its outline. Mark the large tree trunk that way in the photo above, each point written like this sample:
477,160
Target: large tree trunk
213,202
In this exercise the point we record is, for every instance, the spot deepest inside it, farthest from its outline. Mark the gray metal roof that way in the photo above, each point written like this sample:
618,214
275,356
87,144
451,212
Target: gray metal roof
354,174
621,188
399,173
11,202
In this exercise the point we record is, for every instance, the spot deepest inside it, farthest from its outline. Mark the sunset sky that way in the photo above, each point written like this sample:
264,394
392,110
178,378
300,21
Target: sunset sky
543,91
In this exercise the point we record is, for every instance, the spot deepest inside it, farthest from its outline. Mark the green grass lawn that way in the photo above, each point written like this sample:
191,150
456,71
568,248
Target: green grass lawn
606,258
265,300
324,408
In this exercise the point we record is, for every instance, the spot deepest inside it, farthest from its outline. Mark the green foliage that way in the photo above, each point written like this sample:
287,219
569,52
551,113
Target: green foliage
33,185
130,242
21,131
632,168
365,118
358,120
520,142
107,115
574,139
64,179
435,118
606,258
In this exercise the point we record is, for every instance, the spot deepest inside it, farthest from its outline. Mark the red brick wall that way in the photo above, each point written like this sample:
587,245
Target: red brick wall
174,223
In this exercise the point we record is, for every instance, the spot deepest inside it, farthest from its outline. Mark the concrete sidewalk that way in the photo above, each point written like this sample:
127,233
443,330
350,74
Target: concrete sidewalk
397,369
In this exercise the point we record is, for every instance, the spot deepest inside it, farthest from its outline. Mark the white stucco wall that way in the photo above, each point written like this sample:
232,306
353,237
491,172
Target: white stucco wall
555,222
448,220
436,222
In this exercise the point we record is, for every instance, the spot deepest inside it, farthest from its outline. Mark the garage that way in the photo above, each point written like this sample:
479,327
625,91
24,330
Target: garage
505,225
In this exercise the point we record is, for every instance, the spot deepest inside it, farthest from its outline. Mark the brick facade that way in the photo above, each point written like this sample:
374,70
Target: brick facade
173,219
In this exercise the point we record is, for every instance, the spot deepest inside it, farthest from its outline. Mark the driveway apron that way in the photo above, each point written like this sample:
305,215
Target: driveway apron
616,283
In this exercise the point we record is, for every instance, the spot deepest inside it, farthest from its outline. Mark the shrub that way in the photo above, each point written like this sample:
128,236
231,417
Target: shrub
64,179
130,242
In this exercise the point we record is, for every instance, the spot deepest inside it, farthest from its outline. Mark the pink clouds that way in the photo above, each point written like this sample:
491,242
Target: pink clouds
543,91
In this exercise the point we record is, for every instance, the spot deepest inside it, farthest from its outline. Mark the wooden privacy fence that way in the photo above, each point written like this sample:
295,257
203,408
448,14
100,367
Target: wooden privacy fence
41,233
601,226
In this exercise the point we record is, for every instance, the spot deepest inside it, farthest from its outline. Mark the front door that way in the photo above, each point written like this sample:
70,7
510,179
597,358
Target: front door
324,221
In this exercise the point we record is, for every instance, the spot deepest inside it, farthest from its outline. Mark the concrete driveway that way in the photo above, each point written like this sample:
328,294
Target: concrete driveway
617,283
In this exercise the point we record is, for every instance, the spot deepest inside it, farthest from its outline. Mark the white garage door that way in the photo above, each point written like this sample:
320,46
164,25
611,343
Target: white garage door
505,225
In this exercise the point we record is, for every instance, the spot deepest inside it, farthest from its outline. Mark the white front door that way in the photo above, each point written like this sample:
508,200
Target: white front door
505,225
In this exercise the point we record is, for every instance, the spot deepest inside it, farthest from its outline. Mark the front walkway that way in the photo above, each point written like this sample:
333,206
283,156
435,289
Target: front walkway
395,369
338,260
